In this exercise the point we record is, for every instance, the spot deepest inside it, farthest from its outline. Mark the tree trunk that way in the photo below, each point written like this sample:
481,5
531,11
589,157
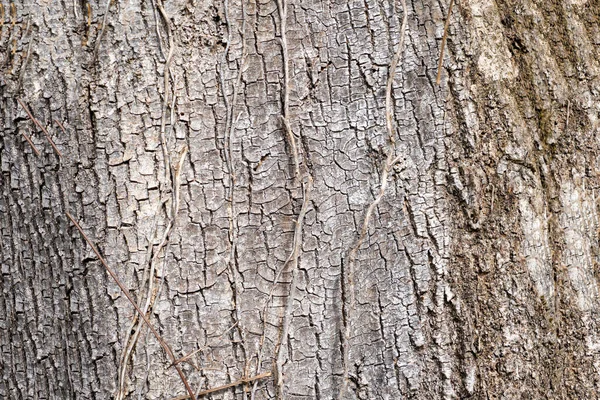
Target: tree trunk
296,204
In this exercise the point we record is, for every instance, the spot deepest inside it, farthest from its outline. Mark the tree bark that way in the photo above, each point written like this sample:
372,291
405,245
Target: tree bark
295,216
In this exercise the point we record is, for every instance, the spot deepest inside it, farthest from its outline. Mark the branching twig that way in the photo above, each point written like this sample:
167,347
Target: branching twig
125,291
131,340
443,45
176,179
385,171
39,125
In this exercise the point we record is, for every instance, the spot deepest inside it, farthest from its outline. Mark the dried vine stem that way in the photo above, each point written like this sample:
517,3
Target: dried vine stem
99,38
88,25
306,182
227,386
190,355
282,6
151,293
131,339
292,257
227,146
28,53
389,163
287,315
292,139
568,113
171,175
443,45
39,125
385,171
127,294
167,88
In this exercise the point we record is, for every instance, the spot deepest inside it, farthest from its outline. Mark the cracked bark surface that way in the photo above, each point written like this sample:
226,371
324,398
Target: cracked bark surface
478,273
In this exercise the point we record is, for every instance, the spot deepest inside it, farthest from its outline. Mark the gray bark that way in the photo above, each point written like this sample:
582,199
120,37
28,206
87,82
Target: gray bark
224,163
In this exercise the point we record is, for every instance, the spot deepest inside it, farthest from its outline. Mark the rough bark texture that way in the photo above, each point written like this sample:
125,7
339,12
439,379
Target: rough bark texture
224,163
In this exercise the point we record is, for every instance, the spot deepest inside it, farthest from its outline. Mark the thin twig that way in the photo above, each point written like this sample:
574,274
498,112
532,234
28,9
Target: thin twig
160,44
292,139
39,125
439,71
229,385
61,126
28,54
175,190
99,38
127,294
176,179
389,163
229,124
49,139
30,143
171,176
493,196
568,113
